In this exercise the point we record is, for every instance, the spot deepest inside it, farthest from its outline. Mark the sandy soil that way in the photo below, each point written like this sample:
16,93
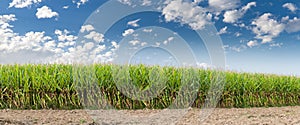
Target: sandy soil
253,116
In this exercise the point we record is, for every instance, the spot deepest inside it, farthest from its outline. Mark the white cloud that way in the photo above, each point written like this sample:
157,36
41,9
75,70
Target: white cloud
65,39
89,45
23,3
248,6
170,39
223,30
134,42
276,45
197,1
5,19
186,13
79,2
135,35
232,16
65,7
91,52
146,3
134,23
241,25
266,28
220,5
237,34
37,47
239,48
45,12
147,30
134,3
114,44
94,53
97,37
32,40
128,32
293,25
252,43
143,43
204,65
12,42
99,49
292,7
285,19
157,44
86,28
127,2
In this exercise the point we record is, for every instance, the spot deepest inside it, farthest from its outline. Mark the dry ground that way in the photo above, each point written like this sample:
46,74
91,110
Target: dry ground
234,116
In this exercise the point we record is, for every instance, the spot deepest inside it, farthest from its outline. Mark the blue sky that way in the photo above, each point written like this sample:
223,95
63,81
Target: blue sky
258,36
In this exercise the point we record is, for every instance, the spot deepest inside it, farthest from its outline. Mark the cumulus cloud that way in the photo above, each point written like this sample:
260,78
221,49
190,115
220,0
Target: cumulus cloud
267,28
86,28
97,37
232,16
220,5
12,42
114,44
90,52
292,7
5,19
293,25
37,47
128,32
285,19
252,43
134,23
64,35
65,38
223,30
23,3
45,12
186,13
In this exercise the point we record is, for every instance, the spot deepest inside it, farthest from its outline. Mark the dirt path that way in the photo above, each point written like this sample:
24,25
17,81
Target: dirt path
253,116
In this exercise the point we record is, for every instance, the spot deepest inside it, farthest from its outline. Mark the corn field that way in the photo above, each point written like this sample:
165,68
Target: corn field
54,86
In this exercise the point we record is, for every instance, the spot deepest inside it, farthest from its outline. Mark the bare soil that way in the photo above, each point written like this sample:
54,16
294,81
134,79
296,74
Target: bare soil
233,116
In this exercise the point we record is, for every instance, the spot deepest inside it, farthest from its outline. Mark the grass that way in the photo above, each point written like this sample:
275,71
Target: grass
59,86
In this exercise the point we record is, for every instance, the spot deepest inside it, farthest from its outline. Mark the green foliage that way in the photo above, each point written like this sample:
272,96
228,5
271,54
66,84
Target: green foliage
59,86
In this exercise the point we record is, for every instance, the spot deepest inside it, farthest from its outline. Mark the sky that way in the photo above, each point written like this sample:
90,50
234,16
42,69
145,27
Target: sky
256,36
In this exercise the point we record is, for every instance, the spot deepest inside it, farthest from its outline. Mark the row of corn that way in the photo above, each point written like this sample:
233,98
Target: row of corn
58,86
